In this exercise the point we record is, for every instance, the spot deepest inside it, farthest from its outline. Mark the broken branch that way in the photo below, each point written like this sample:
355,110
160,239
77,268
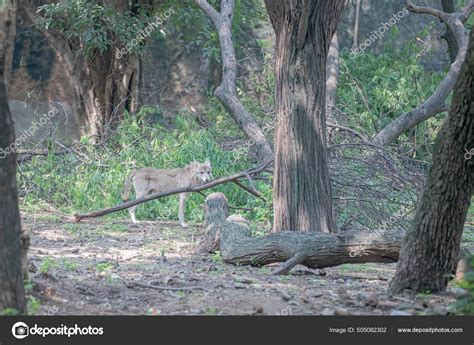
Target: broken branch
198,188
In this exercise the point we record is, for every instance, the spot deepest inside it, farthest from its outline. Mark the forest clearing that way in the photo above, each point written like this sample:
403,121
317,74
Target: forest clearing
89,269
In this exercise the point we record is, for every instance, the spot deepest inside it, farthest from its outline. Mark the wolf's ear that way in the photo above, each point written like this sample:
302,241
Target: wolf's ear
208,162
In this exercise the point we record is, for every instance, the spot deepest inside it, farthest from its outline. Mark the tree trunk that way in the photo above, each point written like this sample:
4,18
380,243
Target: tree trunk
332,78
227,90
231,235
105,85
302,192
430,250
449,37
12,293
7,38
355,42
104,89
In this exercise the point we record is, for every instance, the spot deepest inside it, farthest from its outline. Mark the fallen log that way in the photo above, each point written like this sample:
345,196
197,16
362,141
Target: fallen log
231,235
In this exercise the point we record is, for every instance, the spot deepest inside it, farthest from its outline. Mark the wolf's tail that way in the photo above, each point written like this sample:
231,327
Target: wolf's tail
127,186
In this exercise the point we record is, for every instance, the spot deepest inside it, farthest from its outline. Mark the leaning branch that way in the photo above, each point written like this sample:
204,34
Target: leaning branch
125,205
227,90
436,103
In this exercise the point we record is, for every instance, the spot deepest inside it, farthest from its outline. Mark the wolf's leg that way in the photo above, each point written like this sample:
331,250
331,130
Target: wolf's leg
182,208
131,210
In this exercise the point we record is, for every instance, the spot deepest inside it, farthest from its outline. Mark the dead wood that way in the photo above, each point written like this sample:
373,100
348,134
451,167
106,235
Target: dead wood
198,188
232,236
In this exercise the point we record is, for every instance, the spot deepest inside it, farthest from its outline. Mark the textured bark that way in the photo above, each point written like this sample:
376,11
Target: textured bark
450,38
232,236
7,38
332,77
12,294
435,104
302,192
103,97
104,85
430,249
355,42
227,90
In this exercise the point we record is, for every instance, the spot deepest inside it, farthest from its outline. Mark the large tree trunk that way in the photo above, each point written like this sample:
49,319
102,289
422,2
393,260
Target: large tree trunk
105,85
12,293
231,235
7,38
430,250
302,192
104,89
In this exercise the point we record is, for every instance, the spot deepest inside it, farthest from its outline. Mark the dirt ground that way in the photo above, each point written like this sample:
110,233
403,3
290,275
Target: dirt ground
92,268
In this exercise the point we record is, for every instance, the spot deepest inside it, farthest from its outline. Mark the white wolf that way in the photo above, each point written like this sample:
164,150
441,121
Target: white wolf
150,180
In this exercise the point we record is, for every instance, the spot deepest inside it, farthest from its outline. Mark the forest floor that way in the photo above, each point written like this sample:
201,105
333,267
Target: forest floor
92,267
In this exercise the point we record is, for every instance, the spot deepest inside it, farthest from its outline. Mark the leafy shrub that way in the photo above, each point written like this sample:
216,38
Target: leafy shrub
93,177
374,89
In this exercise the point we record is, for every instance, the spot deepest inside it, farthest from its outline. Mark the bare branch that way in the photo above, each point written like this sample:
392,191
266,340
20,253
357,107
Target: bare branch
198,188
286,267
427,10
210,11
435,104
131,284
226,92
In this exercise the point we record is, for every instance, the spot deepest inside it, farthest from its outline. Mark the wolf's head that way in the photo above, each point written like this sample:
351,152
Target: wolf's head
202,172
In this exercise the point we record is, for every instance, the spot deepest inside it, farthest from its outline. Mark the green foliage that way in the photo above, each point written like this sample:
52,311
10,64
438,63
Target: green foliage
9,311
374,89
47,265
216,257
104,266
77,185
96,26
33,305
465,305
247,15
211,311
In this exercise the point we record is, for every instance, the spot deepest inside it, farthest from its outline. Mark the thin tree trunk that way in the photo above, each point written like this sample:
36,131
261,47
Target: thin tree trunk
12,293
430,250
449,37
227,90
302,192
355,42
332,77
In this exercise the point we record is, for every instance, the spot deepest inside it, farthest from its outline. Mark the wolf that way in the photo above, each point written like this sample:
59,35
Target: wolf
147,181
